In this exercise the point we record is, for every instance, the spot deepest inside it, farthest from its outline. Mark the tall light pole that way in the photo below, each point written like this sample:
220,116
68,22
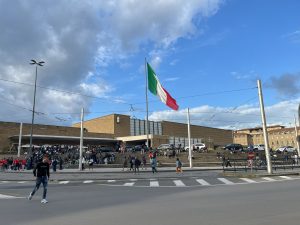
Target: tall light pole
33,62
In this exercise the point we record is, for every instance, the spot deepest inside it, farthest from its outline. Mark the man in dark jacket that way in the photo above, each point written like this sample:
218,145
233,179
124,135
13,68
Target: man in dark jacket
42,174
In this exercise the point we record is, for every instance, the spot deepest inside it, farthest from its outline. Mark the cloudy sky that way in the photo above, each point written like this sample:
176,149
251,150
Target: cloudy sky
208,54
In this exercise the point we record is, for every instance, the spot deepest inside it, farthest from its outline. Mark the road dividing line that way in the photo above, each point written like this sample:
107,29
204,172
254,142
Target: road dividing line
111,181
154,184
248,180
225,181
268,178
202,182
64,182
179,183
88,181
286,177
129,184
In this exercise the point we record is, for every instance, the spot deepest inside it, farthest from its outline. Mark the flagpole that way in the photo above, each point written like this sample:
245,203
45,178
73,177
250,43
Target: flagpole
147,108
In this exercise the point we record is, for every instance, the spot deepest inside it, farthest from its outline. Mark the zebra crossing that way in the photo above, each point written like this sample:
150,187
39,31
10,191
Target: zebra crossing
168,182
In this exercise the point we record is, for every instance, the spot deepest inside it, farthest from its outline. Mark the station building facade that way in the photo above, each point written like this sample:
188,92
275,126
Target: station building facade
111,130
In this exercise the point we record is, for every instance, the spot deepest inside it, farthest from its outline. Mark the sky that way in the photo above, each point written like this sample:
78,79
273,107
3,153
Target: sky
208,54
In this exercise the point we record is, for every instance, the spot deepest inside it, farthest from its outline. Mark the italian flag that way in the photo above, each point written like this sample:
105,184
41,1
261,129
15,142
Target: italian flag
157,89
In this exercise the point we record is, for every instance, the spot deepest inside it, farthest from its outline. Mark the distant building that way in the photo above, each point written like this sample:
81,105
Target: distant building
278,136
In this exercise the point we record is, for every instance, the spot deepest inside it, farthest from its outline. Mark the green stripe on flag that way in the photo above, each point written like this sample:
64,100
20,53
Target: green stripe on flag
152,81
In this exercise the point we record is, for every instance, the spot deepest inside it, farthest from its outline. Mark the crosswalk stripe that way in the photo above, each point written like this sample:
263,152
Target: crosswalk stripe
88,181
129,184
268,178
154,184
22,182
179,183
111,181
248,180
7,196
133,179
225,181
4,182
202,182
64,182
286,177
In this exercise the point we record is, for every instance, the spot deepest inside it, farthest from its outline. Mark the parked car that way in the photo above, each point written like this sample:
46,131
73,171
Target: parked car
197,147
260,147
285,149
165,147
234,147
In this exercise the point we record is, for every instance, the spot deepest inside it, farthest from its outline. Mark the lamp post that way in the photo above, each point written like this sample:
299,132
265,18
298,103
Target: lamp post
33,62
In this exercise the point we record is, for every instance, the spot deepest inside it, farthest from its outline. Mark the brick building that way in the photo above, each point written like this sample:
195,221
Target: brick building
111,129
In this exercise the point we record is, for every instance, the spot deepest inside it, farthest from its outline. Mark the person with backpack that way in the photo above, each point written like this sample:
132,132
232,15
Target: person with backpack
178,166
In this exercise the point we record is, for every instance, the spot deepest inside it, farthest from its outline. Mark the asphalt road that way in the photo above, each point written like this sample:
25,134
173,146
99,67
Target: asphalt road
275,203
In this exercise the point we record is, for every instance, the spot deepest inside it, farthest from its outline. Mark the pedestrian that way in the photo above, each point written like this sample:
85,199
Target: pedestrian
91,163
60,163
228,162
144,162
153,164
125,163
83,161
178,166
54,164
137,164
42,174
131,162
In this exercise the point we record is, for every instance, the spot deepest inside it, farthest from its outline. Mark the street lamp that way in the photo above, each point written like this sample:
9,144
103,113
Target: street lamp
33,62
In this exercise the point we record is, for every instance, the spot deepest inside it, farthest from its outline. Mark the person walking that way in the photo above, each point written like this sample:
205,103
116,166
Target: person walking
125,163
178,166
144,162
153,162
42,174
137,164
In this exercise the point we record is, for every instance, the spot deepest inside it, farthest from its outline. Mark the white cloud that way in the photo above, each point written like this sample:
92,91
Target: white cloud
293,37
77,39
244,116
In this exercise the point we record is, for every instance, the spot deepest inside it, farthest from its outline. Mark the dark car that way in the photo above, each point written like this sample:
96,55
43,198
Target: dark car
234,147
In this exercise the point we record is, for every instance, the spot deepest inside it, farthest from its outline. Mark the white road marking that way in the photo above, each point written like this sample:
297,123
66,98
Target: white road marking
225,181
111,181
154,184
133,179
64,182
129,184
22,182
202,182
248,180
268,178
4,182
179,183
285,177
8,197
88,181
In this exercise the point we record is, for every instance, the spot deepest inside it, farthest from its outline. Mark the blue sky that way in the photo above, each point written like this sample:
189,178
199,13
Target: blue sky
208,54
